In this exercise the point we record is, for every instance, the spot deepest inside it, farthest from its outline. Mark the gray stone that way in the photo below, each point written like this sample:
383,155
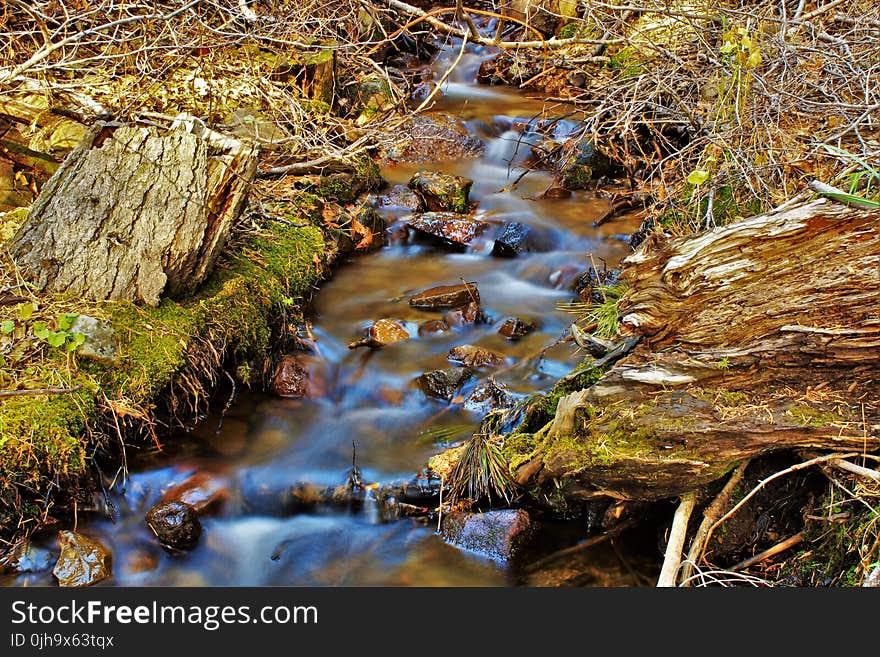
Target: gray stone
502,535
100,343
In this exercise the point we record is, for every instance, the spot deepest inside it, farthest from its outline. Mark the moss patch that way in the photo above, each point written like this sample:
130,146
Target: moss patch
254,292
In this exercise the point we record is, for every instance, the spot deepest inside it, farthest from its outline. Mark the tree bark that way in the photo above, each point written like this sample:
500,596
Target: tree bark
756,337
132,214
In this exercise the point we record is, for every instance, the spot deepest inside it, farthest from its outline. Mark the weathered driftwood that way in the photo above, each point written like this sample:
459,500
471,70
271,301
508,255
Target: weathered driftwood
131,214
760,336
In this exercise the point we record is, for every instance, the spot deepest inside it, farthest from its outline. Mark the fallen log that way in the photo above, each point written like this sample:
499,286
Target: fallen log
760,336
132,214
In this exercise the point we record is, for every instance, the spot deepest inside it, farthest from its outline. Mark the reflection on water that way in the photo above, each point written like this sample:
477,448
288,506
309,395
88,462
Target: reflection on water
267,444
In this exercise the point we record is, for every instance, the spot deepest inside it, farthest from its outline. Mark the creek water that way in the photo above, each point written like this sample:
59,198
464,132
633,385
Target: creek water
267,443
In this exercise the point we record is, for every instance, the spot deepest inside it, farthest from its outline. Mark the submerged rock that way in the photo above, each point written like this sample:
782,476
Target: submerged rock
25,557
83,561
432,327
443,384
442,192
382,333
435,138
503,535
296,376
583,165
446,296
203,491
472,356
175,524
516,238
489,396
514,328
448,228
401,196
100,340
463,315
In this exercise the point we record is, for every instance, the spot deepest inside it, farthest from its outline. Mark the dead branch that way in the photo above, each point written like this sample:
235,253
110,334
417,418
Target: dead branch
677,534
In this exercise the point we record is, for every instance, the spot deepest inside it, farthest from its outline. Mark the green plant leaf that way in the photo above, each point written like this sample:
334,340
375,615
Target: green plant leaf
56,338
76,342
65,320
40,330
727,48
7,326
25,311
698,177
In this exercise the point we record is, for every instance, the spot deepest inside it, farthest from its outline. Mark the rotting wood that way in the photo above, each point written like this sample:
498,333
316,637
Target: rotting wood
132,214
737,325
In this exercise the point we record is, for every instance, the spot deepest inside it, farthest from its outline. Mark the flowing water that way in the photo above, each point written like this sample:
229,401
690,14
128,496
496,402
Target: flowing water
267,443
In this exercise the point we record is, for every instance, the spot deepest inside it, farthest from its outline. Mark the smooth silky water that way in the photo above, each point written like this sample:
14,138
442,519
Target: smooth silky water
267,443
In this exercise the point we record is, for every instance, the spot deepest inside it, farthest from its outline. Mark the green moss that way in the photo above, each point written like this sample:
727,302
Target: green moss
628,62
814,417
253,291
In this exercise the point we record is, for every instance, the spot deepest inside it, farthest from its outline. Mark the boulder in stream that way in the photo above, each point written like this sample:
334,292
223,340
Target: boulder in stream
502,535
382,333
443,384
203,491
489,396
515,328
83,561
516,238
435,138
175,524
401,196
432,327
298,376
446,296
467,314
442,192
448,228
473,356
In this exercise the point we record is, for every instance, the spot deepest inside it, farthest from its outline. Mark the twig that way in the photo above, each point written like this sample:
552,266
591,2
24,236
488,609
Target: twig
710,515
767,480
856,469
782,546
672,558
38,391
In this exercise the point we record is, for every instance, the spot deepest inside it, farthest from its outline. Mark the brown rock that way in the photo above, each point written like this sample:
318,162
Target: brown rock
446,296
175,524
467,314
401,196
472,356
503,535
203,491
434,138
448,228
489,396
514,328
442,192
432,327
516,238
299,375
83,561
443,384
382,333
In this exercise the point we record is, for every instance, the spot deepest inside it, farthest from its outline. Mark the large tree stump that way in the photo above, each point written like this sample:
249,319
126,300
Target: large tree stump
760,336
131,214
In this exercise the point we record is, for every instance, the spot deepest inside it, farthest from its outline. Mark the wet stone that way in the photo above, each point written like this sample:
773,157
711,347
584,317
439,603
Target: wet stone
83,561
25,557
443,384
489,396
472,356
401,196
464,315
175,524
502,535
515,328
432,327
297,376
100,341
448,228
382,333
442,192
516,238
203,491
446,296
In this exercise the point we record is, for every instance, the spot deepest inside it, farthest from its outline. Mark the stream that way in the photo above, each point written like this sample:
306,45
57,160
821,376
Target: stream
268,443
